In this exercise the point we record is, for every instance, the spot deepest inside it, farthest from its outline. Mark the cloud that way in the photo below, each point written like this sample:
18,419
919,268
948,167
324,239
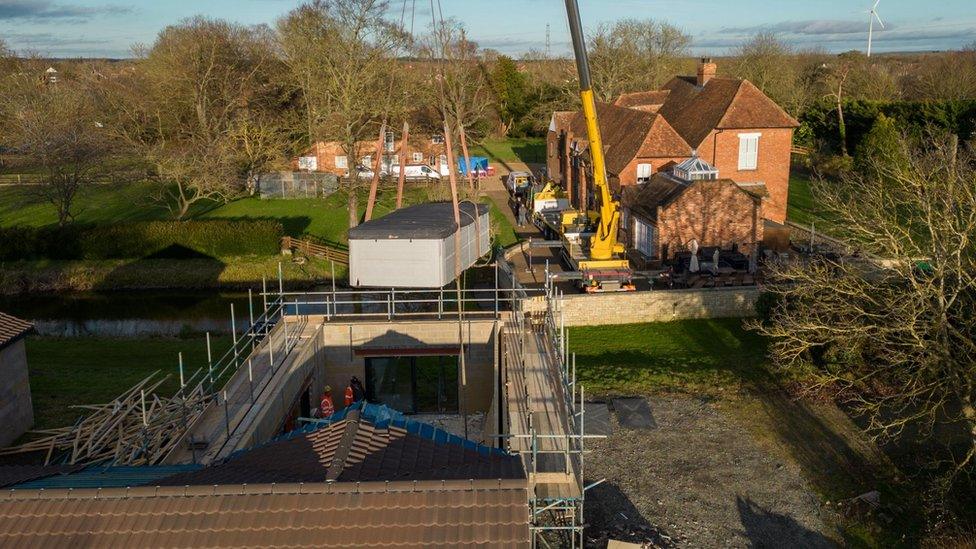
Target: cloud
44,10
812,27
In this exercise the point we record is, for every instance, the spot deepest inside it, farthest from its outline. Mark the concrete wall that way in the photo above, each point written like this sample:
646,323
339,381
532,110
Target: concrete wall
16,409
343,340
659,306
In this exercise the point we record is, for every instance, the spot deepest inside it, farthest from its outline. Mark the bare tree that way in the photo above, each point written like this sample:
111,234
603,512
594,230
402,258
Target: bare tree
635,55
949,76
341,60
895,336
193,108
55,128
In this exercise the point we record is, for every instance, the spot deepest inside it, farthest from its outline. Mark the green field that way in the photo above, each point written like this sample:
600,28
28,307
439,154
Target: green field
530,150
687,355
66,372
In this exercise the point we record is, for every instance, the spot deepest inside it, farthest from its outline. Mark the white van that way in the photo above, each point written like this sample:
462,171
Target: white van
416,171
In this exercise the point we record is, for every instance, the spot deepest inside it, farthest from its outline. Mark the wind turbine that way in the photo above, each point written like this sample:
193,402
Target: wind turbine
872,15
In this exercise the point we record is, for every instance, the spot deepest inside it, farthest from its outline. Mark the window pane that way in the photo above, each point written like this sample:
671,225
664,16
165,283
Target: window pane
389,381
437,384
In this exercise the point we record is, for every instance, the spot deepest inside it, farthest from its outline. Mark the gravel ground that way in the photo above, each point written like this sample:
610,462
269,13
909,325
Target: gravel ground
697,480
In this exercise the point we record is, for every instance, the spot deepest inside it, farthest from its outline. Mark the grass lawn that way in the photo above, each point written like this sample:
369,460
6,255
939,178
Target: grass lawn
94,371
687,355
803,207
514,149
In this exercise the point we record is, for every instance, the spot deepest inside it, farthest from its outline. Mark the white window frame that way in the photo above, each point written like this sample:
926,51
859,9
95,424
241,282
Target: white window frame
367,161
644,172
342,162
749,151
643,237
418,157
389,141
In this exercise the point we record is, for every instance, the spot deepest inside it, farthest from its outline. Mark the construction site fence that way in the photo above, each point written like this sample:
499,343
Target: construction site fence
294,185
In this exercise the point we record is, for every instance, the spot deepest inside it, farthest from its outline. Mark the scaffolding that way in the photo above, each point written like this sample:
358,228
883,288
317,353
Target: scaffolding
546,420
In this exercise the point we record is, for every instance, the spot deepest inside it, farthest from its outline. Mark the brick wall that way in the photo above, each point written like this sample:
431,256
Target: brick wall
659,306
341,341
721,149
16,408
715,213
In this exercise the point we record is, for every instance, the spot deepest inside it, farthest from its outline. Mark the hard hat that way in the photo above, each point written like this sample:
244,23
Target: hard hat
328,389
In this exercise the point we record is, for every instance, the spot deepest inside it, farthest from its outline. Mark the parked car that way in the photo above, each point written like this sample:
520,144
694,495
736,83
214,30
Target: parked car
367,173
416,172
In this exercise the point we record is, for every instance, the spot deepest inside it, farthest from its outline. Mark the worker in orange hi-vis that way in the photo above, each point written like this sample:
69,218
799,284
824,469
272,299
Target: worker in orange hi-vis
349,397
326,407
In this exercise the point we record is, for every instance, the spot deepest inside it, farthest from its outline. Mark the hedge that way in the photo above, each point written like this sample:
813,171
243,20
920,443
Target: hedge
819,122
156,239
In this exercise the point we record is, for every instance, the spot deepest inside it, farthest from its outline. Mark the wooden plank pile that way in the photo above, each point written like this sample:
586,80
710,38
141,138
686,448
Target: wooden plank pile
137,428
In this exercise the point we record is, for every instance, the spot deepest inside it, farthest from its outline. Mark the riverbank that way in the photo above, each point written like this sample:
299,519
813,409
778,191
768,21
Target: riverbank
228,273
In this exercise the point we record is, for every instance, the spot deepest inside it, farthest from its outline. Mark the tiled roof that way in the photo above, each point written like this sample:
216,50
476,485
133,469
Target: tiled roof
723,103
355,449
12,329
629,133
649,101
320,515
663,189
16,474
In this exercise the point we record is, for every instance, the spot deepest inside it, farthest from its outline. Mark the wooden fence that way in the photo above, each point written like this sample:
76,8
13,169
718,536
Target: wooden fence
309,248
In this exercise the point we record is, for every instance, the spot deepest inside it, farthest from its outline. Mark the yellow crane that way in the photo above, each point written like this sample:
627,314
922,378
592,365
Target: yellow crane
602,264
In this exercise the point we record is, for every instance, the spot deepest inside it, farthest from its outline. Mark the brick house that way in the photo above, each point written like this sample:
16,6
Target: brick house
330,157
726,121
689,202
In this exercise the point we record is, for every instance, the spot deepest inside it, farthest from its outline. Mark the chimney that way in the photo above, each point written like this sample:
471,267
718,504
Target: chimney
706,71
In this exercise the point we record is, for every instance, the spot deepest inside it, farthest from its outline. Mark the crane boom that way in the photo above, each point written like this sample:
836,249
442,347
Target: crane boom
603,245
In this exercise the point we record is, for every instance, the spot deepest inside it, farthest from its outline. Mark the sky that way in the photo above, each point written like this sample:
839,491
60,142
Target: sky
109,28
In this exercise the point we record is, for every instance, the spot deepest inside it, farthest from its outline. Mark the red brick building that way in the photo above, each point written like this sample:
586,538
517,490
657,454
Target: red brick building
331,157
728,122
691,202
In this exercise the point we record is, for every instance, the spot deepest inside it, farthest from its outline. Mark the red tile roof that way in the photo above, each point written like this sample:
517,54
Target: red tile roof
629,133
12,329
723,103
405,514
649,101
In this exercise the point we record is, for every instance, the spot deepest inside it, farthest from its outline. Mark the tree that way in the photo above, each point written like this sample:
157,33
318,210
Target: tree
777,69
55,128
950,76
341,60
192,107
511,93
634,55
453,60
896,337
883,145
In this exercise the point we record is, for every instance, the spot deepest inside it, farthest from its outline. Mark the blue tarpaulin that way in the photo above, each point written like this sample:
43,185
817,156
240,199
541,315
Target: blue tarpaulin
479,163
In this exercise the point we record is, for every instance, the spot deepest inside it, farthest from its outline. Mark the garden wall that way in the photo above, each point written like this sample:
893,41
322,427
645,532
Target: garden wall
655,306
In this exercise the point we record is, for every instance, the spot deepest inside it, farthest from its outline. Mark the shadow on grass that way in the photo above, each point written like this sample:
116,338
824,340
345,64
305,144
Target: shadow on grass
531,152
171,267
765,528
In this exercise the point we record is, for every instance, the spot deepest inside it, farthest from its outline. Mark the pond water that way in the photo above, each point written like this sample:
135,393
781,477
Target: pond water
131,314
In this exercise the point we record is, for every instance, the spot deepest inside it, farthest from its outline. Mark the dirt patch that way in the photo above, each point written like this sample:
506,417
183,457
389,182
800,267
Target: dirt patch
702,481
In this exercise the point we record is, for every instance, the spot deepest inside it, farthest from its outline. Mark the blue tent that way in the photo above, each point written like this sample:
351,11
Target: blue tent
479,163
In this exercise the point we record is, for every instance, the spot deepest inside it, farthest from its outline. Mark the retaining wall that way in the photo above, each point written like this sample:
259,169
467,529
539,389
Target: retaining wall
655,306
